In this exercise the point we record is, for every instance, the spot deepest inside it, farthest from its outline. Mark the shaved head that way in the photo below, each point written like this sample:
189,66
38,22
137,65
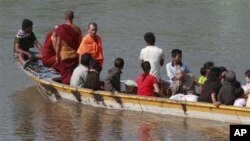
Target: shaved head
69,15
92,24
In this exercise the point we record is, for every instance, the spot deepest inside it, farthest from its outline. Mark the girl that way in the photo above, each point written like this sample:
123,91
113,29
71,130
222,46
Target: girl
204,73
147,83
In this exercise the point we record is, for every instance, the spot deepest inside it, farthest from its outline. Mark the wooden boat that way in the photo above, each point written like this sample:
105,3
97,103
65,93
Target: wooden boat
45,83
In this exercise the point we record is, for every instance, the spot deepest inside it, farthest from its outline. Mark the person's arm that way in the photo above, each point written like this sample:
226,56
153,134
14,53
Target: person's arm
38,45
170,73
162,59
58,48
161,62
213,97
156,88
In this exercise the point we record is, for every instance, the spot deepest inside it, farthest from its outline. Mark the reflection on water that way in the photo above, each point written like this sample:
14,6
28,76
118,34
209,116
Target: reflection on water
38,118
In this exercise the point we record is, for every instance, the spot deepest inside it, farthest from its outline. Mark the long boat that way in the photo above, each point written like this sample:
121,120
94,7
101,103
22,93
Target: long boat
48,85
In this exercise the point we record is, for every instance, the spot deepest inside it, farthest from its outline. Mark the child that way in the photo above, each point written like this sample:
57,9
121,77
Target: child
184,83
147,83
241,100
204,73
112,82
246,88
93,78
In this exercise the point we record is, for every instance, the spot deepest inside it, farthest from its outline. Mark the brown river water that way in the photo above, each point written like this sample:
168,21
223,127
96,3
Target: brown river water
209,30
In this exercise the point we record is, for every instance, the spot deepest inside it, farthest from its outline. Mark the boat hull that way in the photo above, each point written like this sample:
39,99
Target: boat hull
122,101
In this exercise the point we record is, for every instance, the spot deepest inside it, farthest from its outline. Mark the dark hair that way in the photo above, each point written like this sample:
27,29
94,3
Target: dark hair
207,65
247,73
69,15
214,74
119,63
175,52
145,65
238,92
93,24
223,69
85,59
26,23
149,37
94,64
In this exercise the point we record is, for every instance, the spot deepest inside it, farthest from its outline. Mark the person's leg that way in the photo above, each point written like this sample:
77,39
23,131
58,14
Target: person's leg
22,57
67,68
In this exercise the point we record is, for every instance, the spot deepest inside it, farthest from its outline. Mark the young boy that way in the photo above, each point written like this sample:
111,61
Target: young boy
93,78
112,82
176,63
80,73
153,54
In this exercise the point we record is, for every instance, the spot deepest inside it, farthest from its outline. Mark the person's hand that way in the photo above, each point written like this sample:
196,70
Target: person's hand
57,59
29,55
217,104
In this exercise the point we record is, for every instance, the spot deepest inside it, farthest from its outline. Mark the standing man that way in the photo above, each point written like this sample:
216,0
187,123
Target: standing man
92,44
153,54
67,43
69,16
24,40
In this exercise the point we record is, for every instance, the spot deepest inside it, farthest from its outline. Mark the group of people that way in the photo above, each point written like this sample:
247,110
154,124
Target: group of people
79,61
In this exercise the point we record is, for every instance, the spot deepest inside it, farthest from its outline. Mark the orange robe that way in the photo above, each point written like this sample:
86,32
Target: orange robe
92,46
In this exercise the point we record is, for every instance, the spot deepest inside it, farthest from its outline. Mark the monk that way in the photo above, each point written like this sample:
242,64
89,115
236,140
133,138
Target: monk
69,16
92,44
67,43
49,51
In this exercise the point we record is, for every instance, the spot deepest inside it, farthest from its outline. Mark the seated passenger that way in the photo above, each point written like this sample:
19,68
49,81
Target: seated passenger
223,71
49,51
204,72
93,78
79,75
184,83
112,82
211,87
227,94
176,63
241,99
24,40
246,87
147,83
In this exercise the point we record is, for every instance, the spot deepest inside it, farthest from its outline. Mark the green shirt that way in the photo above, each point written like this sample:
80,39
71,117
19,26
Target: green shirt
202,80
27,42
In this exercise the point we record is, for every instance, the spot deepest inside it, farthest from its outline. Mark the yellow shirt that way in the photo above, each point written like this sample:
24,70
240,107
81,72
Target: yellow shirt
202,80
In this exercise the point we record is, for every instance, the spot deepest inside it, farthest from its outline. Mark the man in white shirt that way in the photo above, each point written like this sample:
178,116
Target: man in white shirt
176,64
154,55
80,72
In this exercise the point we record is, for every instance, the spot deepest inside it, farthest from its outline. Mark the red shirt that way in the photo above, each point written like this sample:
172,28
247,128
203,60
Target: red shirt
146,85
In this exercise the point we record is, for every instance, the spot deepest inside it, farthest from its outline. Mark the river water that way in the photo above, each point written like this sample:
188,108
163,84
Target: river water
209,30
